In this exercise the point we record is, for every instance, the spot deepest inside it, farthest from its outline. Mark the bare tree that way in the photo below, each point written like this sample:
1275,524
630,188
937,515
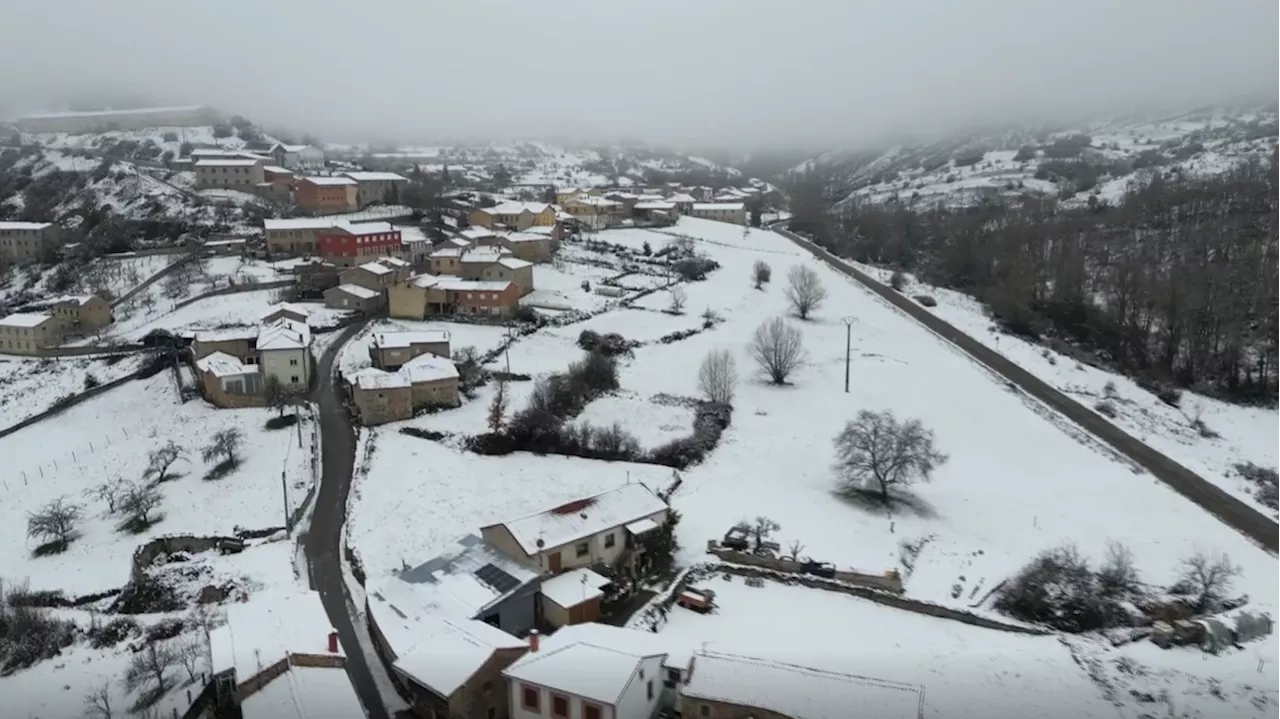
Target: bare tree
109,492
875,449
718,376
149,670
678,298
189,653
804,290
794,549
138,502
1208,578
778,349
225,444
161,459
761,273
760,530
1118,574
55,523
498,407
97,703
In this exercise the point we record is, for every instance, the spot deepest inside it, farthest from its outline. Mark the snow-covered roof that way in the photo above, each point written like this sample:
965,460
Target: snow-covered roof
404,340
226,334
640,526
301,223
655,205
516,208
226,163
25,319
284,334
514,263
222,364
24,226
376,268
596,673
448,252
290,148
367,228
287,307
450,652
650,197
305,693
477,233
392,262
428,368
425,280
682,197
260,632
541,231
78,300
585,517
328,180
485,256
102,113
276,169
374,378
376,177
574,587
363,293
518,237
796,691
593,201
678,650
714,206
459,284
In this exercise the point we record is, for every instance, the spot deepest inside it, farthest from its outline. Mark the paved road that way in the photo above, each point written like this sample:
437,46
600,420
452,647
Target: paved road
1229,510
323,544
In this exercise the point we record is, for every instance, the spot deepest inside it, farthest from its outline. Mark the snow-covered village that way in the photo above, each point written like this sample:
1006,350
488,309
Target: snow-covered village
293,427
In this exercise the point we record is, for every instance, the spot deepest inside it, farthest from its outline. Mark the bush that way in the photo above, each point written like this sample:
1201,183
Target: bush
90,382
1025,153
1265,480
1106,409
113,632
222,130
925,300
287,420
527,314
1060,590
693,269
710,419
610,345
897,280
970,158
29,634
170,137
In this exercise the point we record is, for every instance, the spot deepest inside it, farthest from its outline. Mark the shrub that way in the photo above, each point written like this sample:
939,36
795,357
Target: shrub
1025,153
694,269
1264,479
1106,409
90,382
113,632
170,137
287,420
925,300
1058,589
610,345
897,280
970,158
29,634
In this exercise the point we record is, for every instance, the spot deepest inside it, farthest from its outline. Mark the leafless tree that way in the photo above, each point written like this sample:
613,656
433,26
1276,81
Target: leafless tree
778,349
718,376
55,522
759,530
279,397
876,450
161,459
97,703
1208,577
1118,574
138,502
109,492
678,298
804,290
761,273
149,669
498,407
190,652
225,443
794,549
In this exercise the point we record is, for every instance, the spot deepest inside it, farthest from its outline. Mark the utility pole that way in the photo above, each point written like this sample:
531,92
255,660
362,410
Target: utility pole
848,347
284,488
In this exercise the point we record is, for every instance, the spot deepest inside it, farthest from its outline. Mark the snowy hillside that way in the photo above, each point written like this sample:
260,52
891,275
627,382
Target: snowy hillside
1096,160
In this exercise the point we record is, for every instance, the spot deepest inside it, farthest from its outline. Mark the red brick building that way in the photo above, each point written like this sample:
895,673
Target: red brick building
353,244
326,195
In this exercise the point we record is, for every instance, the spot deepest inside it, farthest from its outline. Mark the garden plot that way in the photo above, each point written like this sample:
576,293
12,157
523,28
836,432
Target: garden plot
31,386
542,352
966,671
1243,434
652,423
240,309
561,289
419,496
119,274
110,437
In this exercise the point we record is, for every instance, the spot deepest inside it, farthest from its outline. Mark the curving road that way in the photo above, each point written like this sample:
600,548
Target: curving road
1230,511
323,543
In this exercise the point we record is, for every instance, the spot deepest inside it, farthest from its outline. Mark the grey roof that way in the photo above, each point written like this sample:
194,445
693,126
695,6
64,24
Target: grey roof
474,560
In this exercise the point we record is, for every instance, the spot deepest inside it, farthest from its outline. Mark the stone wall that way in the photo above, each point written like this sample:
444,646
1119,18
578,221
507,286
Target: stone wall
890,581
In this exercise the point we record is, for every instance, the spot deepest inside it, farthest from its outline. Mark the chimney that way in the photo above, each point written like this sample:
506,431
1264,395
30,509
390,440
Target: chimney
533,640
333,642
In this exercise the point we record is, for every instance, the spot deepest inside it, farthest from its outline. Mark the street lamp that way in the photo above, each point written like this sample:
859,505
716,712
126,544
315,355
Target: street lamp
848,347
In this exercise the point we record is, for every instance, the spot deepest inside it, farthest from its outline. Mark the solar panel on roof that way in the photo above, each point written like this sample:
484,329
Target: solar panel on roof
496,578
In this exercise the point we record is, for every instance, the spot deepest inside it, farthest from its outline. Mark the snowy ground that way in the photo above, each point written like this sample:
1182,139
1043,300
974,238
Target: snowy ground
109,437
30,386
1245,434
1019,479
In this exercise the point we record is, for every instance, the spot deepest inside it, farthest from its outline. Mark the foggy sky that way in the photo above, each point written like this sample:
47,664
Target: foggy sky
742,73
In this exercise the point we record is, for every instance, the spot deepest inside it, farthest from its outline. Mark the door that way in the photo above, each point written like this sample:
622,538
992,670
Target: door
553,562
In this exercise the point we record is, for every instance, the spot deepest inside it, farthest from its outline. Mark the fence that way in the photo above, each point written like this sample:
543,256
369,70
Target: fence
299,512
1231,511
890,581
65,404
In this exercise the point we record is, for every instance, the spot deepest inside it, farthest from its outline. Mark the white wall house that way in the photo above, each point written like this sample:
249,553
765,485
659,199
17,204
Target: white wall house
284,346
585,681
298,157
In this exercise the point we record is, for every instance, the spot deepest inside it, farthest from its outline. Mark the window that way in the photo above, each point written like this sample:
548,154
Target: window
704,710
486,687
582,549
293,362
649,690
493,712
591,711
530,699
610,540
559,706
294,379
673,678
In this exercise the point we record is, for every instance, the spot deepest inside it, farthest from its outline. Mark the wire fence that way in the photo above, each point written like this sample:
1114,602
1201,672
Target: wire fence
54,461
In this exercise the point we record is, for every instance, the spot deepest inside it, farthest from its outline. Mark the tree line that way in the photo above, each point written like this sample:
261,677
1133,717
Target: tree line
1174,283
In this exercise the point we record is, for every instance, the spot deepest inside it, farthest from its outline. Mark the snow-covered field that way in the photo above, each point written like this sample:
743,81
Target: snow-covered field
109,437
1244,434
1019,479
30,386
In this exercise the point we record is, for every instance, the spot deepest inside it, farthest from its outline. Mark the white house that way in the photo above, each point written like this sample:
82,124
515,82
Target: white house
284,347
298,157
581,680
732,212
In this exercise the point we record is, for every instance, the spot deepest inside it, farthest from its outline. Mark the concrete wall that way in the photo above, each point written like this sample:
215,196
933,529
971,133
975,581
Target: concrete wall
1228,509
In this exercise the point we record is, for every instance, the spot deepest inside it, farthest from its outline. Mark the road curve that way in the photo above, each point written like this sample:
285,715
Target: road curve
1230,511
323,544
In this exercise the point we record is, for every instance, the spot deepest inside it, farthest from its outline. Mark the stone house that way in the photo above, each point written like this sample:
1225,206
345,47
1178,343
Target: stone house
370,275
277,350
229,383
510,269
424,381
531,246
377,187
81,313
354,298
424,295
514,215
390,350
587,532
326,195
